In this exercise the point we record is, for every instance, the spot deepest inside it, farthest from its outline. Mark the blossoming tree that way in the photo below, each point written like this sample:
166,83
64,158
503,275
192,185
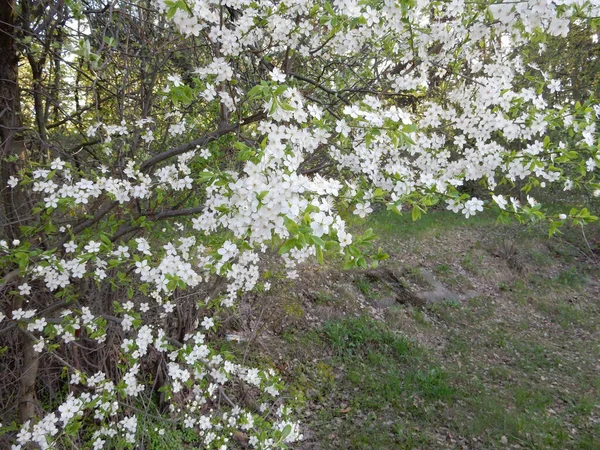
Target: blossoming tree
158,149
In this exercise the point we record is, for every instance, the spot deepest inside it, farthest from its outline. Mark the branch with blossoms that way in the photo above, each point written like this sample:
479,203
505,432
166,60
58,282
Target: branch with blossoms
187,198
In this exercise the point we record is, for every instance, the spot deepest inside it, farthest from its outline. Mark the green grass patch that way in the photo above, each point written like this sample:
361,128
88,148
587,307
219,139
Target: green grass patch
386,223
384,376
572,278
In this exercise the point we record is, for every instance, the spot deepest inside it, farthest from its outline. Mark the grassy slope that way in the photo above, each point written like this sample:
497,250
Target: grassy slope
510,362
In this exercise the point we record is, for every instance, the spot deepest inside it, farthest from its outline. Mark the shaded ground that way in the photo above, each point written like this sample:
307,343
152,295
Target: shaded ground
471,336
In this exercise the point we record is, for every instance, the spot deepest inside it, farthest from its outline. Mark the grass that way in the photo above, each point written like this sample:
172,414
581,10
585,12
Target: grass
571,277
365,287
511,365
414,275
434,222
391,392
324,298
386,375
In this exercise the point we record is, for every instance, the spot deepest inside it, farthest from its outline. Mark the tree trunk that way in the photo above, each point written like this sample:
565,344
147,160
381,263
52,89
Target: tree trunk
11,143
12,150
29,371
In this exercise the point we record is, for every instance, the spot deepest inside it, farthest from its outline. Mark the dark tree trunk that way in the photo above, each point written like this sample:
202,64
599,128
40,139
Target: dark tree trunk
11,144
12,151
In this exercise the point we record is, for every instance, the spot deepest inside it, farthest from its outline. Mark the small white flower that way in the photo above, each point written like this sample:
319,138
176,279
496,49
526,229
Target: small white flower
12,182
92,247
70,247
228,251
175,79
208,323
362,210
500,201
277,75
143,246
39,345
292,275
24,289
51,201
272,390
590,164
57,164
454,205
554,86
75,378
472,206
562,216
38,325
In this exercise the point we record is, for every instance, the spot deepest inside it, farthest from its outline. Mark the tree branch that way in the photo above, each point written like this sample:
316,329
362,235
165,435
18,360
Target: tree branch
160,216
201,141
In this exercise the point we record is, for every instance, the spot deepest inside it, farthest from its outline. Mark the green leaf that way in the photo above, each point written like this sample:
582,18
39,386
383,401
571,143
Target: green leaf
311,208
416,212
367,235
394,208
554,228
381,255
256,91
205,176
280,89
329,8
261,195
171,285
285,432
409,128
302,241
319,250
106,240
317,241
286,106
353,251
49,228
110,41
22,259
241,146
291,226
288,245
